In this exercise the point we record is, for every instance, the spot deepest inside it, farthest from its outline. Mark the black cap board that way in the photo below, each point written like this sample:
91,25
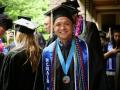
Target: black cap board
73,4
61,10
25,17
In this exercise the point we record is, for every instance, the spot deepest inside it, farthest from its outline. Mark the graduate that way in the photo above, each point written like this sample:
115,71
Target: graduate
19,67
111,49
65,62
5,24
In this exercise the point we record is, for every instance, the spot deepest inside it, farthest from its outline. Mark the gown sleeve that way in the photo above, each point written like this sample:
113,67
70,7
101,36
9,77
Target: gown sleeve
96,60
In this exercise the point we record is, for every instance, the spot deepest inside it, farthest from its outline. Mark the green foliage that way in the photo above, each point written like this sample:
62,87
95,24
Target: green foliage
32,8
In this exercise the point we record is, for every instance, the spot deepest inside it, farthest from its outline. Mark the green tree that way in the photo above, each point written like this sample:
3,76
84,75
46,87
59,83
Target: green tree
32,8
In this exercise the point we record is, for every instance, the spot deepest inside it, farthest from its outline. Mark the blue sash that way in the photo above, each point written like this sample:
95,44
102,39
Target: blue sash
47,64
46,71
111,60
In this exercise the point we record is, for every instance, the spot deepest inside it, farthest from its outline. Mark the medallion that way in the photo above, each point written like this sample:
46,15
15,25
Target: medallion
66,79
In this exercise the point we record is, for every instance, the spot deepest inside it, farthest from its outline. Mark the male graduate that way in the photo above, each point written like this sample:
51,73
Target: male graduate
65,62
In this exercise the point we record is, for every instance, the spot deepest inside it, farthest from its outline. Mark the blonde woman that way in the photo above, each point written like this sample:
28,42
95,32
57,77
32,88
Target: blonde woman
19,68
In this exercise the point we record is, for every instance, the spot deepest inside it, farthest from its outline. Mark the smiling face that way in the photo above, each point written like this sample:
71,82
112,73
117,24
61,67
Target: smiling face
63,28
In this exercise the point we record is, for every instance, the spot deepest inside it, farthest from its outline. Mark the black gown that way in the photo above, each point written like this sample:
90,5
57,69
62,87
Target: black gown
97,63
15,73
1,59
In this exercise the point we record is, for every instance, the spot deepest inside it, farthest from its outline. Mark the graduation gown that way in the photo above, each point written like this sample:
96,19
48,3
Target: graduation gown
1,59
117,75
15,73
59,74
97,63
40,82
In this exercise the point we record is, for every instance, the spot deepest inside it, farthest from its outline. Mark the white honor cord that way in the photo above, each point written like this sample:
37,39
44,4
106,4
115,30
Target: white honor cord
75,65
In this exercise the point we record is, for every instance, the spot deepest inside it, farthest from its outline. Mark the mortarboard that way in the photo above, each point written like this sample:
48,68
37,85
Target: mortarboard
61,10
71,3
5,21
25,26
116,28
24,17
2,8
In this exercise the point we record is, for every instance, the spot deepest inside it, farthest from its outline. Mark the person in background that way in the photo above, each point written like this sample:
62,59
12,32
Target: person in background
12,44
103,38
64,63
110,51
5,24
47,24
41,39
10,40
20,65
47,28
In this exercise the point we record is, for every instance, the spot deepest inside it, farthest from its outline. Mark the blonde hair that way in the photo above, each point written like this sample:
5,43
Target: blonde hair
29,43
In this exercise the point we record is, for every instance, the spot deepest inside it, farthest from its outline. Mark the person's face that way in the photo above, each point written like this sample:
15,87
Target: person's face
63,28
2,31
117,37
47,24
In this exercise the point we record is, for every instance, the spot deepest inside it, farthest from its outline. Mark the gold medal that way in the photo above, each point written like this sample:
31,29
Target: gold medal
66,79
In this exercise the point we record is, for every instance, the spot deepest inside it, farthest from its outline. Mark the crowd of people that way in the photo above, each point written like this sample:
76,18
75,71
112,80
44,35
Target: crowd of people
86,61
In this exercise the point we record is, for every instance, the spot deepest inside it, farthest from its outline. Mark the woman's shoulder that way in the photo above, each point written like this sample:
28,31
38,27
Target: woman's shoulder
15,53
16,56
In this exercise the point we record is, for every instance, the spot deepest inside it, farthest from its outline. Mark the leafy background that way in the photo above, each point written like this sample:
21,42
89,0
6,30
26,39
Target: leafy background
31,8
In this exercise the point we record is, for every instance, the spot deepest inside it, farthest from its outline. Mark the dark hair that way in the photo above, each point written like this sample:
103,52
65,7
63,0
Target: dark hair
5,21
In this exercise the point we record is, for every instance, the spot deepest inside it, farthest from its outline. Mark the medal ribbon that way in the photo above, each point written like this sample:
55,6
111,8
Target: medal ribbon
66,66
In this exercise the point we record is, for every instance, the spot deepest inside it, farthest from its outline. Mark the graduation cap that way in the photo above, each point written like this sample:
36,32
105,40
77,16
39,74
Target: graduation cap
73,4
25,17
5,21
116,28
2,8
62,10
25,26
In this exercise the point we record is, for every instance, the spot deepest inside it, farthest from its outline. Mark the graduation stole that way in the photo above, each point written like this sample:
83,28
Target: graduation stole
111,59
80,67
